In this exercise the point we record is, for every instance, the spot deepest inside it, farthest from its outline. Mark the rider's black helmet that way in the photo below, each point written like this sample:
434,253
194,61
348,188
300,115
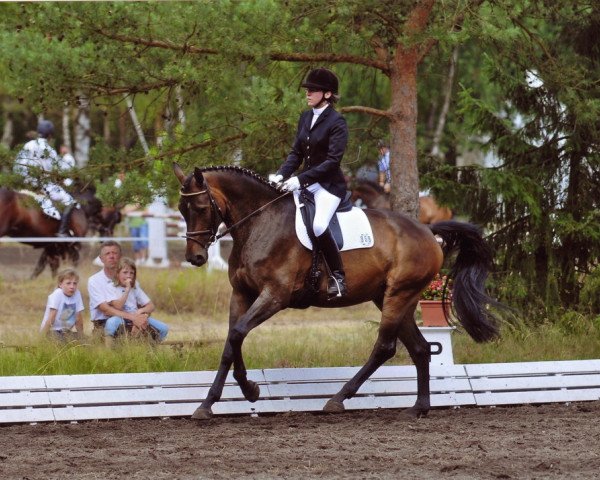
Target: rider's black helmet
321,79
45,128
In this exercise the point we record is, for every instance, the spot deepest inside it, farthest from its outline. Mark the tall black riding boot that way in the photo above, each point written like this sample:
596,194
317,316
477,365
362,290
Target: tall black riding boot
337,280
65,219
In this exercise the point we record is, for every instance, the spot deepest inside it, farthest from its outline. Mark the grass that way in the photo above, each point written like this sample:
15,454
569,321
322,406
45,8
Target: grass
194,303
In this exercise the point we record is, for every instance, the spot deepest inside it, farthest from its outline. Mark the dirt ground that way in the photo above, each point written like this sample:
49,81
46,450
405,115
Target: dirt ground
526,442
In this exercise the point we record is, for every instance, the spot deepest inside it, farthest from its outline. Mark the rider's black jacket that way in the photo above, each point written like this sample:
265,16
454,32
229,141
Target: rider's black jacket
321,148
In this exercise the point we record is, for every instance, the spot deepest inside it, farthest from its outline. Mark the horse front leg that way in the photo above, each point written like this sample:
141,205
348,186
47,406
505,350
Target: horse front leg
238,305
263,308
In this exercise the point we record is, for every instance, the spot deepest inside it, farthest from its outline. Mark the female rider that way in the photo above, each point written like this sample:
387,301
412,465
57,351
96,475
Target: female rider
320,144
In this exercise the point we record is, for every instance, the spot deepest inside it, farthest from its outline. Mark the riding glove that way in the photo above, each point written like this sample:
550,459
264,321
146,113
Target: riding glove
275,178
291,184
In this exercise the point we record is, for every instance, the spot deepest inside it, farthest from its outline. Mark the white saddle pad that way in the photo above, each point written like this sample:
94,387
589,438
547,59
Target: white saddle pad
355,226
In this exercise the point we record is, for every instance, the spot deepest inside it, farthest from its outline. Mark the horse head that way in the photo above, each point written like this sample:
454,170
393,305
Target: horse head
201,213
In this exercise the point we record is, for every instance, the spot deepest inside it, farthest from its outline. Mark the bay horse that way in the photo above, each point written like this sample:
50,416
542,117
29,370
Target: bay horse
106,220
372,195
21,216
268,267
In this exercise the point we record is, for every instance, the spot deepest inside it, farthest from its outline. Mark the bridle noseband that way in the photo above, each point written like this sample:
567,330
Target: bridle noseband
217,215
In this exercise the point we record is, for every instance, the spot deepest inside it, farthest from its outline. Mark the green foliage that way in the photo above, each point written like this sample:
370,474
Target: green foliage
525,92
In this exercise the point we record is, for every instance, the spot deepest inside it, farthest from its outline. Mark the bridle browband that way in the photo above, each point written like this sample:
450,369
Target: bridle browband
213,231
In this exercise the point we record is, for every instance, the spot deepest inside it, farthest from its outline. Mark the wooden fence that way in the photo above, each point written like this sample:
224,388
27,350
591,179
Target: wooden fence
58,398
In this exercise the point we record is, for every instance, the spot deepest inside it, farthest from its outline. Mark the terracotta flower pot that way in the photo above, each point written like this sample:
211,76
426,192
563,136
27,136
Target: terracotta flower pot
432,313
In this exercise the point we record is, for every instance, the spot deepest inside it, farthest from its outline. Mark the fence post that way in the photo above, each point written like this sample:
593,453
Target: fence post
157,234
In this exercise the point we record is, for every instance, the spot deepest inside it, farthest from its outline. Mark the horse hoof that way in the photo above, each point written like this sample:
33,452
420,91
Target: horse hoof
333,406
253,392
202,413
413,413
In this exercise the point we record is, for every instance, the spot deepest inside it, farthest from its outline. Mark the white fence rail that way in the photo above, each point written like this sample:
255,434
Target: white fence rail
57,398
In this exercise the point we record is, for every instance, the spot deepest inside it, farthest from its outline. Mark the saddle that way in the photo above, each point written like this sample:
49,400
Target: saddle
308,210
350,229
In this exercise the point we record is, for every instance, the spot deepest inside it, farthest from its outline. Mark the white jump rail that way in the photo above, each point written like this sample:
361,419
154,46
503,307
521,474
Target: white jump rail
58,398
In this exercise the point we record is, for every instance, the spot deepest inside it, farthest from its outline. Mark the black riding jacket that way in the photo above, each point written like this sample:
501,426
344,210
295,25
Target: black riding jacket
321,148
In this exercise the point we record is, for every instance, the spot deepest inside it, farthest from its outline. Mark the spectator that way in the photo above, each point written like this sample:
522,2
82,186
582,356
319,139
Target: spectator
63,309
101,289
128,296
383,166
138,228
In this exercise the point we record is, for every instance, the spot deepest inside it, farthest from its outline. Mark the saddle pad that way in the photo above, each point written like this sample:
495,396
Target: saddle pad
354,224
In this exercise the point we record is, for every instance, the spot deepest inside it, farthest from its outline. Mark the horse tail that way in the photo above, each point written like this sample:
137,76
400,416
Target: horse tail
469,272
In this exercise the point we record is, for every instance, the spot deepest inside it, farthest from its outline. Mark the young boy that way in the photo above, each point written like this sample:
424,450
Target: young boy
63,309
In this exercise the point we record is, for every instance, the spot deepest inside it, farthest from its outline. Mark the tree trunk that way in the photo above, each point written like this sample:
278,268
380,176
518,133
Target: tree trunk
66,128
7,132
437,136
403,110
136,124
82,131
403,135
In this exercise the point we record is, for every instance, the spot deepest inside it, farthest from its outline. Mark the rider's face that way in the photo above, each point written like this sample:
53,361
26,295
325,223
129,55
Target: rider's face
315,97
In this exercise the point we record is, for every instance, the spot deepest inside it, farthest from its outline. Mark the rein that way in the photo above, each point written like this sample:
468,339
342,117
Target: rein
217,211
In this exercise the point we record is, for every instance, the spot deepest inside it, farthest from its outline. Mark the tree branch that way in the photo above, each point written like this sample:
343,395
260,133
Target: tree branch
103,89
331,58
369,110
278,56
157,43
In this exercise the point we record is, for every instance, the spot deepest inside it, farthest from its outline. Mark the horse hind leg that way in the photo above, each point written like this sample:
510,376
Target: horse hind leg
383,350
40,265
420,352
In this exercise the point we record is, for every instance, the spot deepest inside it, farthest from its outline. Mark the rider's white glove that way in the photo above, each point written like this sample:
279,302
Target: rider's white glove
291,184
275,178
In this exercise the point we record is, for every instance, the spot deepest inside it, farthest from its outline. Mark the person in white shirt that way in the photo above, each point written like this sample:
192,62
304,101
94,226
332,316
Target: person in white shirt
128,296
34,162
100,289
63,309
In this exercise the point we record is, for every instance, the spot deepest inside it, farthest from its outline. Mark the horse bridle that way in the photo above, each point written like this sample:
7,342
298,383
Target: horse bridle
216,214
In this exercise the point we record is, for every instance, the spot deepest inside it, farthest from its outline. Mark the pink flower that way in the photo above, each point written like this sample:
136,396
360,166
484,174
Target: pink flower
435,289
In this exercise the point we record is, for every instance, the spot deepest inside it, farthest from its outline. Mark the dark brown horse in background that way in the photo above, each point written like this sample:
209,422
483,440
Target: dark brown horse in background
21,216
371,195
268,267
105,221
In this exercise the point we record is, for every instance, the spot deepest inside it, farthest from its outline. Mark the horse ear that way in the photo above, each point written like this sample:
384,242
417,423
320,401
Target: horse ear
178,172
198,176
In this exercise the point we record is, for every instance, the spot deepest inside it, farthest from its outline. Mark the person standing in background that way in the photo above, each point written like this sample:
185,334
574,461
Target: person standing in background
383,166
138,228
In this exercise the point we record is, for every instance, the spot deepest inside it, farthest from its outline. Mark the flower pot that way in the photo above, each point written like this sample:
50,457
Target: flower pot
432,313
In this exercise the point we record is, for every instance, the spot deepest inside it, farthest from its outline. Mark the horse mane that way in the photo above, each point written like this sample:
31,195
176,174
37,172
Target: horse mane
241,170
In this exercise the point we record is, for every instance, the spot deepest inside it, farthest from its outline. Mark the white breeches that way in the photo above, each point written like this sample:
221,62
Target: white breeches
58,194
325,204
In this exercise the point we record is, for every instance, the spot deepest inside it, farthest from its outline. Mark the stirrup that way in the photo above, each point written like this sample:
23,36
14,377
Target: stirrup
336,288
